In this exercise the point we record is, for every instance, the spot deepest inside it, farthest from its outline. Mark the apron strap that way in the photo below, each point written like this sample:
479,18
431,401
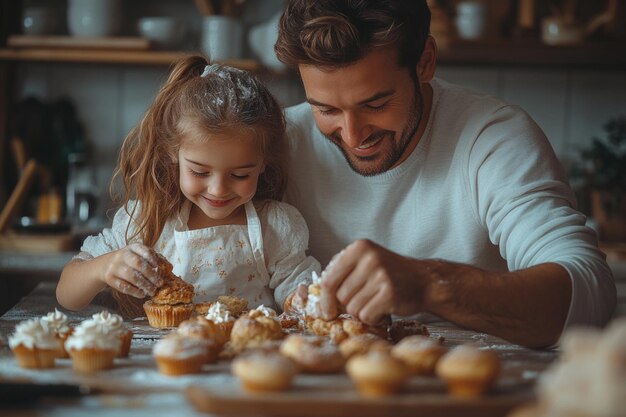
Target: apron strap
256,239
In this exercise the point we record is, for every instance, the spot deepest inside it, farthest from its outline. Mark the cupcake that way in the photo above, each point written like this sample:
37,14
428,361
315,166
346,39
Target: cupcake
236,305
34,344
262,371
377,373
419,353
172,303
313,354
203,329
176,354
219,315
58,322
362,343
200,309
255,328
469,371
92,347
115,324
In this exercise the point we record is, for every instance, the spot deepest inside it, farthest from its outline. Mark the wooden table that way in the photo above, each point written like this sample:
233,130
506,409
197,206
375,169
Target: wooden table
134,386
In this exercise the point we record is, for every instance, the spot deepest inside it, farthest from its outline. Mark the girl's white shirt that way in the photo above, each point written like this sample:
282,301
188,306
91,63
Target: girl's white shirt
263,261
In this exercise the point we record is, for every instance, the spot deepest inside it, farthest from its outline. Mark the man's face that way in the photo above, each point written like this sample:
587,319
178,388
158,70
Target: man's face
371,110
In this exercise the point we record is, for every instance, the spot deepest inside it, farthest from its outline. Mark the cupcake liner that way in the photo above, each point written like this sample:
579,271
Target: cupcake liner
172,366
35,358
91,360
126,340
162,316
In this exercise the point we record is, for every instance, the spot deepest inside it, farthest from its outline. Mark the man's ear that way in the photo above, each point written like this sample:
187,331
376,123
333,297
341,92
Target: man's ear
428,61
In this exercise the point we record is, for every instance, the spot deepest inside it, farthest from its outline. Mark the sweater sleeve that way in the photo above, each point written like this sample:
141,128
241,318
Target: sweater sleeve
522,197
285,240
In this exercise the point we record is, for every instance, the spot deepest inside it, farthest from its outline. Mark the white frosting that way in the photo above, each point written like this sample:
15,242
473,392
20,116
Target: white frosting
180,347
266,311
57,321
219,313
313,306
93,334
114,322
34,333
590,377
316,278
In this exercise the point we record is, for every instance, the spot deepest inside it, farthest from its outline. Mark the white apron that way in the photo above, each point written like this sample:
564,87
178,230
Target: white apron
225,260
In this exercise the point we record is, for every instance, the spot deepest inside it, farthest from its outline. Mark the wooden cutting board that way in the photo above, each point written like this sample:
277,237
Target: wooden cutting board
29,41
335,396
39,243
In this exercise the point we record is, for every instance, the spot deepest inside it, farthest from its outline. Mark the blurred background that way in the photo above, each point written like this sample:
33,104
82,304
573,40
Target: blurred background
77,75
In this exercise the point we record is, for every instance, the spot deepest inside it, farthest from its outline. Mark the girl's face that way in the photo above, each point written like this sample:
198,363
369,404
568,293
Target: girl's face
219,175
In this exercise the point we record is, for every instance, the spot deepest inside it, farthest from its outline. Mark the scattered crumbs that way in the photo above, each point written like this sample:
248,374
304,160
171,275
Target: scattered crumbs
501,347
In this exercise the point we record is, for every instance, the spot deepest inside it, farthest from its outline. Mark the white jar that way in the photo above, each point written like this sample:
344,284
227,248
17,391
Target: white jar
222,37
471,19
94,18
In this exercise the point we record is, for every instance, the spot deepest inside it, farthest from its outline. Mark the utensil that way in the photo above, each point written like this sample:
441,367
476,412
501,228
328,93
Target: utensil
17,196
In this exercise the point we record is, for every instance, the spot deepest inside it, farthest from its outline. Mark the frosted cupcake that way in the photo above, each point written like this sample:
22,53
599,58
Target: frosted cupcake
200,328
58,322
223,318
176,354
34,344
92,347
115,324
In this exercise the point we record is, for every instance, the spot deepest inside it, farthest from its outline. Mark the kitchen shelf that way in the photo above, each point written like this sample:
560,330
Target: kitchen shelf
461,53
533,53
110,57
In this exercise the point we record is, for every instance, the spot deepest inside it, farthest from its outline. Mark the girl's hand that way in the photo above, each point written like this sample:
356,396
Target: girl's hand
132,270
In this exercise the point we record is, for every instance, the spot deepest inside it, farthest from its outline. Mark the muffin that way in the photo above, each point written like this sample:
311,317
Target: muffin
236,305
115,324
176,354
172,303
92,347
34,344
362,343
377,373
200,328
469,371
255,328
201,309
262,371
419,353
313,354
224,320
589,376
58,322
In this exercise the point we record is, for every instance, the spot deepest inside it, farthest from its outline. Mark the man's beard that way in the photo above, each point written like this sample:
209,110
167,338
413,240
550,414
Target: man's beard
397,149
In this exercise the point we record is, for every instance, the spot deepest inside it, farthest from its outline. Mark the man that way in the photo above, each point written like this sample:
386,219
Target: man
436,199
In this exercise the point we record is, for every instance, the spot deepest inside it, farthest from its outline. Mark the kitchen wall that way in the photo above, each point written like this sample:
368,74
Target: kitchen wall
571,106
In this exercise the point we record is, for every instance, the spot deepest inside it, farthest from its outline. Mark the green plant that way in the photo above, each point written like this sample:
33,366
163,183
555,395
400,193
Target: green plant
606,164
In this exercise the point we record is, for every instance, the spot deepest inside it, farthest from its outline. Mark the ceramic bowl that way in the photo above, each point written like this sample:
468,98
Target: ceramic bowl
164,32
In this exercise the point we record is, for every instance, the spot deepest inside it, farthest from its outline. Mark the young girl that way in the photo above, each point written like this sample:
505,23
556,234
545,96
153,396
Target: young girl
202,174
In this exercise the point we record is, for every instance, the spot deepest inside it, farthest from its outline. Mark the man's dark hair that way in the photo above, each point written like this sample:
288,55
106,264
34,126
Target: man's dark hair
337,33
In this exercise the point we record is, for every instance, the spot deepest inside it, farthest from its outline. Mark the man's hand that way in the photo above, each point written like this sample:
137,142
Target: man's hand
372,282
132,270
